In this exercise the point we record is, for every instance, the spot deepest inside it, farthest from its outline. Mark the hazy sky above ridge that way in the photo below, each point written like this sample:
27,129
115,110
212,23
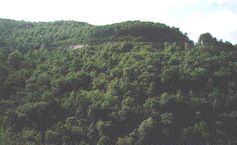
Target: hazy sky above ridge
219,17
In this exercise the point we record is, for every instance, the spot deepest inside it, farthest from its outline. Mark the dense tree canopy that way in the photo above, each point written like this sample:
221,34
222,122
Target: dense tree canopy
131,83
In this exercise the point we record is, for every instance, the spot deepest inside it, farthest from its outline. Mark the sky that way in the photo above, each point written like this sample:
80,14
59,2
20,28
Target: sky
219,17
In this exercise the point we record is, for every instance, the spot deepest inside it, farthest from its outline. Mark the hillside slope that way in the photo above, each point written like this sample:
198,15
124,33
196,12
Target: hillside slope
121,88
28,35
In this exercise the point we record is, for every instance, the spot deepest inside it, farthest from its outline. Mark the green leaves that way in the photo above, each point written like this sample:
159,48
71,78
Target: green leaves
147,126
130,88
166,118
206,39
15,59
3,136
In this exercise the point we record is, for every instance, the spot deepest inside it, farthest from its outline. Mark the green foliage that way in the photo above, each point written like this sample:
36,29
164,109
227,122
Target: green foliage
104,140
147,126
15,59
206,39
151,105
131,83
27,35
3,136
125,141
201,129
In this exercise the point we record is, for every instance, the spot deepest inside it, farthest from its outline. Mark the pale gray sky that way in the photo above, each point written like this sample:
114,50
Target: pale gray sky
195,17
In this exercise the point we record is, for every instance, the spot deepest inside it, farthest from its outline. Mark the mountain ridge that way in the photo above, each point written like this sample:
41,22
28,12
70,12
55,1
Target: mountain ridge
59,33
132,83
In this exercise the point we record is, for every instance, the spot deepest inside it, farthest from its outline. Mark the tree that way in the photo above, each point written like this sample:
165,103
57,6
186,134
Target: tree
206,39
148,132
15,59
42,115
125,140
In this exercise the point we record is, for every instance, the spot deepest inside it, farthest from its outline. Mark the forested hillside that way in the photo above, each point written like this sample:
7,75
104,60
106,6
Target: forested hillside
26,35
132,83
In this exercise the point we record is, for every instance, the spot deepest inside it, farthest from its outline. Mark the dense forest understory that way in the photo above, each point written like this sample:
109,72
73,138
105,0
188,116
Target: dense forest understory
130,83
